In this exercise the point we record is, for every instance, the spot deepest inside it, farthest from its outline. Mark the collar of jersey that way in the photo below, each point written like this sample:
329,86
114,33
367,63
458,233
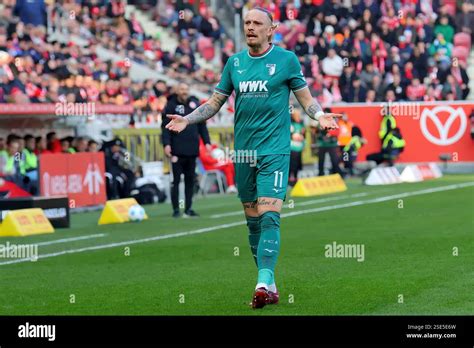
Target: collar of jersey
264,54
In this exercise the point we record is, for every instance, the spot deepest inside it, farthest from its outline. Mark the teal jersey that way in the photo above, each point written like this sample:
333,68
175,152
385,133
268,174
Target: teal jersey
262,87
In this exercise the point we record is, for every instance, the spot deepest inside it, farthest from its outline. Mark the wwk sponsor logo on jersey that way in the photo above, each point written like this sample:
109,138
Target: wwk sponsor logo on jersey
254,88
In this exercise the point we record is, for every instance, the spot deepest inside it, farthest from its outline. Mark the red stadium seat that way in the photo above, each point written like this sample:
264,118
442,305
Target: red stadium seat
209,53
451,8
301,28
461,53
203,42
291,42
283,29
448,2
206,48
462,39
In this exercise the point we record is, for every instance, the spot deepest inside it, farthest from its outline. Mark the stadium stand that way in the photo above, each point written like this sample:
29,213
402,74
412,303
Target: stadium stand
350,51
423,41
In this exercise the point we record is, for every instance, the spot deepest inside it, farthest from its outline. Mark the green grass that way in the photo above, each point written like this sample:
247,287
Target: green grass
408,251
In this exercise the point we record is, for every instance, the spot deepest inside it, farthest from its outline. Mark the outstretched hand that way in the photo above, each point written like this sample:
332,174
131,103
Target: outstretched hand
329,121
177,123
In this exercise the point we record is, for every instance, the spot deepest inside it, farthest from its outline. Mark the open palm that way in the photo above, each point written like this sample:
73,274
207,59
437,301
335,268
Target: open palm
329,121
177,123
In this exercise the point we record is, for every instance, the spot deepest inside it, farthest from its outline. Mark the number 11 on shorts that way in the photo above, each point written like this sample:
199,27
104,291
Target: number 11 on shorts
278,174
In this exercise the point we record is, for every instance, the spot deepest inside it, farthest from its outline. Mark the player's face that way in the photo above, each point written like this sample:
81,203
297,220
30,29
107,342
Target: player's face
257,28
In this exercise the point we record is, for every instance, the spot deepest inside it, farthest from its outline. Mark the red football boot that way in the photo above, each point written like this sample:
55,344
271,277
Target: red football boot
273,297
260,298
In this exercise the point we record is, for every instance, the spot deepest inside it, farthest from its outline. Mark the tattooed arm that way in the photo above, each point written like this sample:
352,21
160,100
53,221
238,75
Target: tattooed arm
314,110
202,113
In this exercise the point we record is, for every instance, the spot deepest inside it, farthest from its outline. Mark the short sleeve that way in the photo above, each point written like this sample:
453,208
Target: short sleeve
296,79
225,85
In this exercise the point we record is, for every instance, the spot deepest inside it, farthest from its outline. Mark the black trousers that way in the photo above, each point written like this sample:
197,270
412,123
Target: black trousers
121,183
296,164
380,157
377,157
185,165
333,155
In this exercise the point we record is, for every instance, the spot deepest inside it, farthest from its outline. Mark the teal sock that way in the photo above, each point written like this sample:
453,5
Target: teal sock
269,247
253,223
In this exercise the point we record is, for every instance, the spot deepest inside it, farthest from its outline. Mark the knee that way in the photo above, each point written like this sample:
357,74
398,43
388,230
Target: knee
253,224
270,220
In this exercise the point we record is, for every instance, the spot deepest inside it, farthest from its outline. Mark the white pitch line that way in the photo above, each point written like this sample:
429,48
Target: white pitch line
238,223
72,239
129,242
313,201
65,240
380,199
355,195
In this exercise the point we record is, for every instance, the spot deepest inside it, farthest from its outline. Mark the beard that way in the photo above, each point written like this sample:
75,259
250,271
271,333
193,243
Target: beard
255,42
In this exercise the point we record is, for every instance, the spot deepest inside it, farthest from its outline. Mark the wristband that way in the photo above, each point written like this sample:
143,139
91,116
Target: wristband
318,115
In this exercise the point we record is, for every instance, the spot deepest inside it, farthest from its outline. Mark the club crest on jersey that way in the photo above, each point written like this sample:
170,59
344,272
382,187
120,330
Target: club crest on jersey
271,69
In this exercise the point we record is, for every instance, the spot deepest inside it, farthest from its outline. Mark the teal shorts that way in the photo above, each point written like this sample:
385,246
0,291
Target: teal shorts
265,177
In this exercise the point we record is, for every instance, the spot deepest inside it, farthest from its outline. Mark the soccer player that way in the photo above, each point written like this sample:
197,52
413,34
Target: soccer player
262,77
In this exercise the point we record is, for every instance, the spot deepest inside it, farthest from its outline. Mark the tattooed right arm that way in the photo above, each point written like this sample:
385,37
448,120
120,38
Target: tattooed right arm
208,109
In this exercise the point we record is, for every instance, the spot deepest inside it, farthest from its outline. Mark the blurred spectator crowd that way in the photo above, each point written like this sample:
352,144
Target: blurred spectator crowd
352,51
372,51
34,69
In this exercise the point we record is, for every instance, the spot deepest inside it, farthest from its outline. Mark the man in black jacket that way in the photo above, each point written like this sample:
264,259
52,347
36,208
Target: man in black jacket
183,148
120,178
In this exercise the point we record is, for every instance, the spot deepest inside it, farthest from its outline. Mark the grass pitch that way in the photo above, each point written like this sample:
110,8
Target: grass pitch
203,266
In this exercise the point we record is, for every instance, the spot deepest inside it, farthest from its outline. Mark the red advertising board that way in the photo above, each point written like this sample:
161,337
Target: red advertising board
80,176
430,129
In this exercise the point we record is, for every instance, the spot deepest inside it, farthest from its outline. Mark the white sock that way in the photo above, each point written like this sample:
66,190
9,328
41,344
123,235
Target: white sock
261,285
272,287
